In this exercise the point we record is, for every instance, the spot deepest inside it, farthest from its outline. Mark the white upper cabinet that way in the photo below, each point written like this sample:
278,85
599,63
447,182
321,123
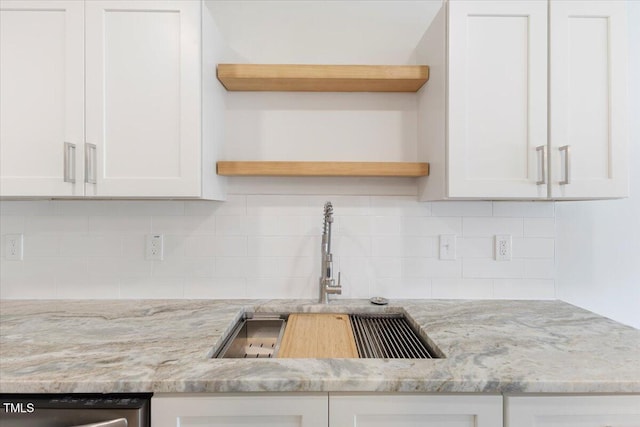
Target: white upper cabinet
588,98
42,102
143,97
109,94
497,97
508,131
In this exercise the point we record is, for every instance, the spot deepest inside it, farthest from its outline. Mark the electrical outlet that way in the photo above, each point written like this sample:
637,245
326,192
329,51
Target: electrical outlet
13,247
154,247
503,247
447,246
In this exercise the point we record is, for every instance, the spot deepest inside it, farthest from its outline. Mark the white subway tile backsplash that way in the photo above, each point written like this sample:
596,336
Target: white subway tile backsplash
283,288
268,246
475,247
280,205
118,224
134,246
283,225
283,246
430,267
229,245
431,226
81,288
404,246
234,267
349,225
352,245
87,207
219,288
199,267
533,248
261,267
151,288
488,268
461,208
355,287
539,227
462,288
488,227
41,245
11,224
55,224
191,225
523,289
524,209
382,246
398,206
234,205
386,225
151,208
543,268
26,208
229,225
386,267
78,245
402,288
170,267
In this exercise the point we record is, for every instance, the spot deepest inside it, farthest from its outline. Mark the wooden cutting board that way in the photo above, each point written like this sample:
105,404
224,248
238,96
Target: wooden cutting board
318,335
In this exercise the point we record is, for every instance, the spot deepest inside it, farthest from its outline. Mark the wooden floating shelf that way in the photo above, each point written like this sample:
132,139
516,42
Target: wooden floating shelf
355,169
323,78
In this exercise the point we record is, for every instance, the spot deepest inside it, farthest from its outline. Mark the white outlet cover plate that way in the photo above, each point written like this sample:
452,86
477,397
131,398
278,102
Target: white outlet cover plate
503,247
448,246
14,247
154,247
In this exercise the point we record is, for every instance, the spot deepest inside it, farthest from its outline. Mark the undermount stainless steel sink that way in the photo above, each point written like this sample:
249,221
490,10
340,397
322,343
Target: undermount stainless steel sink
376,335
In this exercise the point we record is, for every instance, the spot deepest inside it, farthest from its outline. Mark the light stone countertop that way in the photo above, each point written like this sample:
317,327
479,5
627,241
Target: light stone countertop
164,346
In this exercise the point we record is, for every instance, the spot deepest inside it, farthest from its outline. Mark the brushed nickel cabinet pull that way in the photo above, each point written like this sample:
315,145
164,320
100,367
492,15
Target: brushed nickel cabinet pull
90,162
542,156
69,162
567,165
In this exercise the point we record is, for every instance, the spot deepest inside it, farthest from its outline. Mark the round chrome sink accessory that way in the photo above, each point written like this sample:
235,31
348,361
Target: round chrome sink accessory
379,301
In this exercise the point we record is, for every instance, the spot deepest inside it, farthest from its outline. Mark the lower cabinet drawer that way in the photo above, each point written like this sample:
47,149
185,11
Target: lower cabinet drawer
572,411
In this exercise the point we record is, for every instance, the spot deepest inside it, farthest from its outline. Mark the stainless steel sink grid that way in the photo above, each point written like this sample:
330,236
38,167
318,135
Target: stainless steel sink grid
254,337
388,336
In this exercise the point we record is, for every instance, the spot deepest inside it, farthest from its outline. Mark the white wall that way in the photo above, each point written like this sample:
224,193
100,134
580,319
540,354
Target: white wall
598,243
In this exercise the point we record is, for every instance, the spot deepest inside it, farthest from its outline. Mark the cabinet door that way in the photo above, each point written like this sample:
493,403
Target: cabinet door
588,91
42,102
572,411
143,97
414,411
497,99
250,410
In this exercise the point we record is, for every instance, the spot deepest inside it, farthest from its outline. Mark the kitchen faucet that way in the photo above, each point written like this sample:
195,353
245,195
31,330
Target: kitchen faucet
327,282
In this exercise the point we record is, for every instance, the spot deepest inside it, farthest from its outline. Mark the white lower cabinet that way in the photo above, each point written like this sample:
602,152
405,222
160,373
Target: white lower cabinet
397,410
409,410
572,411
246,410
322,410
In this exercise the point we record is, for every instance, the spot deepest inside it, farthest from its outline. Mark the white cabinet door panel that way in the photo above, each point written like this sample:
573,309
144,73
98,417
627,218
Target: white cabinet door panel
497,98
588,91
143,97
572,411
42,102
400,410
291,410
